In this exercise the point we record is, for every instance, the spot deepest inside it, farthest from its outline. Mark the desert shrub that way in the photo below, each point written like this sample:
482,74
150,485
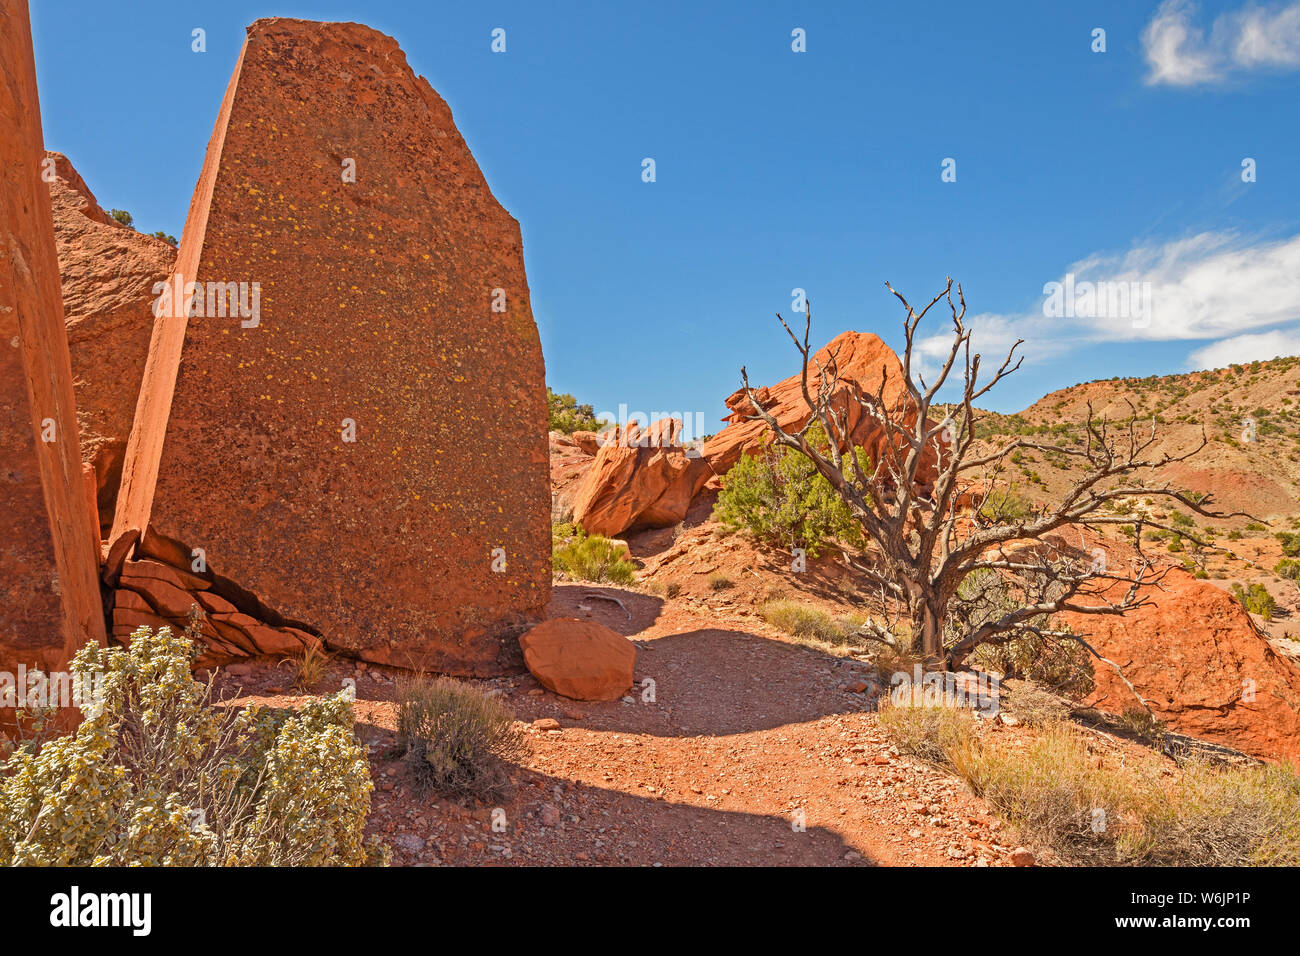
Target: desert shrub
590,557
673,589
1144,725
165,237
1256,600
567,416
931,734
157,775
1005,504
778,497
456,739
720,582
1062,665
806,621
1234,535
1287,568
1290,541
1057,795
1033,706
122,216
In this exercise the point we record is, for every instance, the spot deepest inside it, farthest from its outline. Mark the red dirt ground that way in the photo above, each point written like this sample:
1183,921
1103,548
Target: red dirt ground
745,729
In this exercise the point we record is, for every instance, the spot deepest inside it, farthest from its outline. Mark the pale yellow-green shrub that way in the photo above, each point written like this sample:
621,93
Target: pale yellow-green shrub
158,775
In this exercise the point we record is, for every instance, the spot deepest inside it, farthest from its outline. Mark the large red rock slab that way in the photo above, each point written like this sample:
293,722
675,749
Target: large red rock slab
50,602
108,274
376,307
579,659
1204,667
633,484
862,359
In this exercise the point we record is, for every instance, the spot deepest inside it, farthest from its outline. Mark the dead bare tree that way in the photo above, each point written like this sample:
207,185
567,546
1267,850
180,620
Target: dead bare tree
998,569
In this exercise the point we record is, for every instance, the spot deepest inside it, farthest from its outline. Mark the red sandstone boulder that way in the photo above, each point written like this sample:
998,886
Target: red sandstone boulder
862,358
1205,668
589,442
108,272
640,481
317,449
569,462
579,659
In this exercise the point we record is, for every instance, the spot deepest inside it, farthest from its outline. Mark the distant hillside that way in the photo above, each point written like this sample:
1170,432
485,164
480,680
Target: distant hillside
1261,399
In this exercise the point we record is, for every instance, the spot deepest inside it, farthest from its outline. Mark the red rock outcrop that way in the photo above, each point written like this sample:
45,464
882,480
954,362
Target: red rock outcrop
49,596
569,462
108,275
638,481
157,582
365,451
862,358
1204,667
580,659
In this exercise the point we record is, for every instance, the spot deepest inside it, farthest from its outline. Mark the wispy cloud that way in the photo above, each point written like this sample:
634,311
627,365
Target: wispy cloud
1211,286
1247,348
1180,53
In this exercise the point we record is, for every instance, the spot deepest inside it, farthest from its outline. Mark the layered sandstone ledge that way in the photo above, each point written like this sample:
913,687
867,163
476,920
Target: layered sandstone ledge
157,582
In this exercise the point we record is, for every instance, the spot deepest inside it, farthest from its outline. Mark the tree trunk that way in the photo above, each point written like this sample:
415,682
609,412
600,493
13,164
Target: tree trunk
927,630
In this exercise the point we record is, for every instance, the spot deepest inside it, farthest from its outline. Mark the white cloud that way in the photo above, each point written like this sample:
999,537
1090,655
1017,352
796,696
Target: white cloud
1179,53
1201,287
1270,39
1247,348
1176,50
1207,286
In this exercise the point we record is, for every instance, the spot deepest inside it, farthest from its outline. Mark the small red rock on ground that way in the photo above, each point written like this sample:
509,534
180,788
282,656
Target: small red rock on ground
582,660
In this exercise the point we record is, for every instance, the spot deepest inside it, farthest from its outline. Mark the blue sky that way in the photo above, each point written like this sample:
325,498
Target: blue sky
779,170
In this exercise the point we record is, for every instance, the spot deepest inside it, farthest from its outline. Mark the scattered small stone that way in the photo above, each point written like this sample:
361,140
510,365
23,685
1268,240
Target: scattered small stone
1021,856
409,842
546,723
549,815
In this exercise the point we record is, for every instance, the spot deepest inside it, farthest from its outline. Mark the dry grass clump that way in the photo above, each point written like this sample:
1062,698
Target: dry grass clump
1033,706
1059,795
456,739
930,733
811,623
309,667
